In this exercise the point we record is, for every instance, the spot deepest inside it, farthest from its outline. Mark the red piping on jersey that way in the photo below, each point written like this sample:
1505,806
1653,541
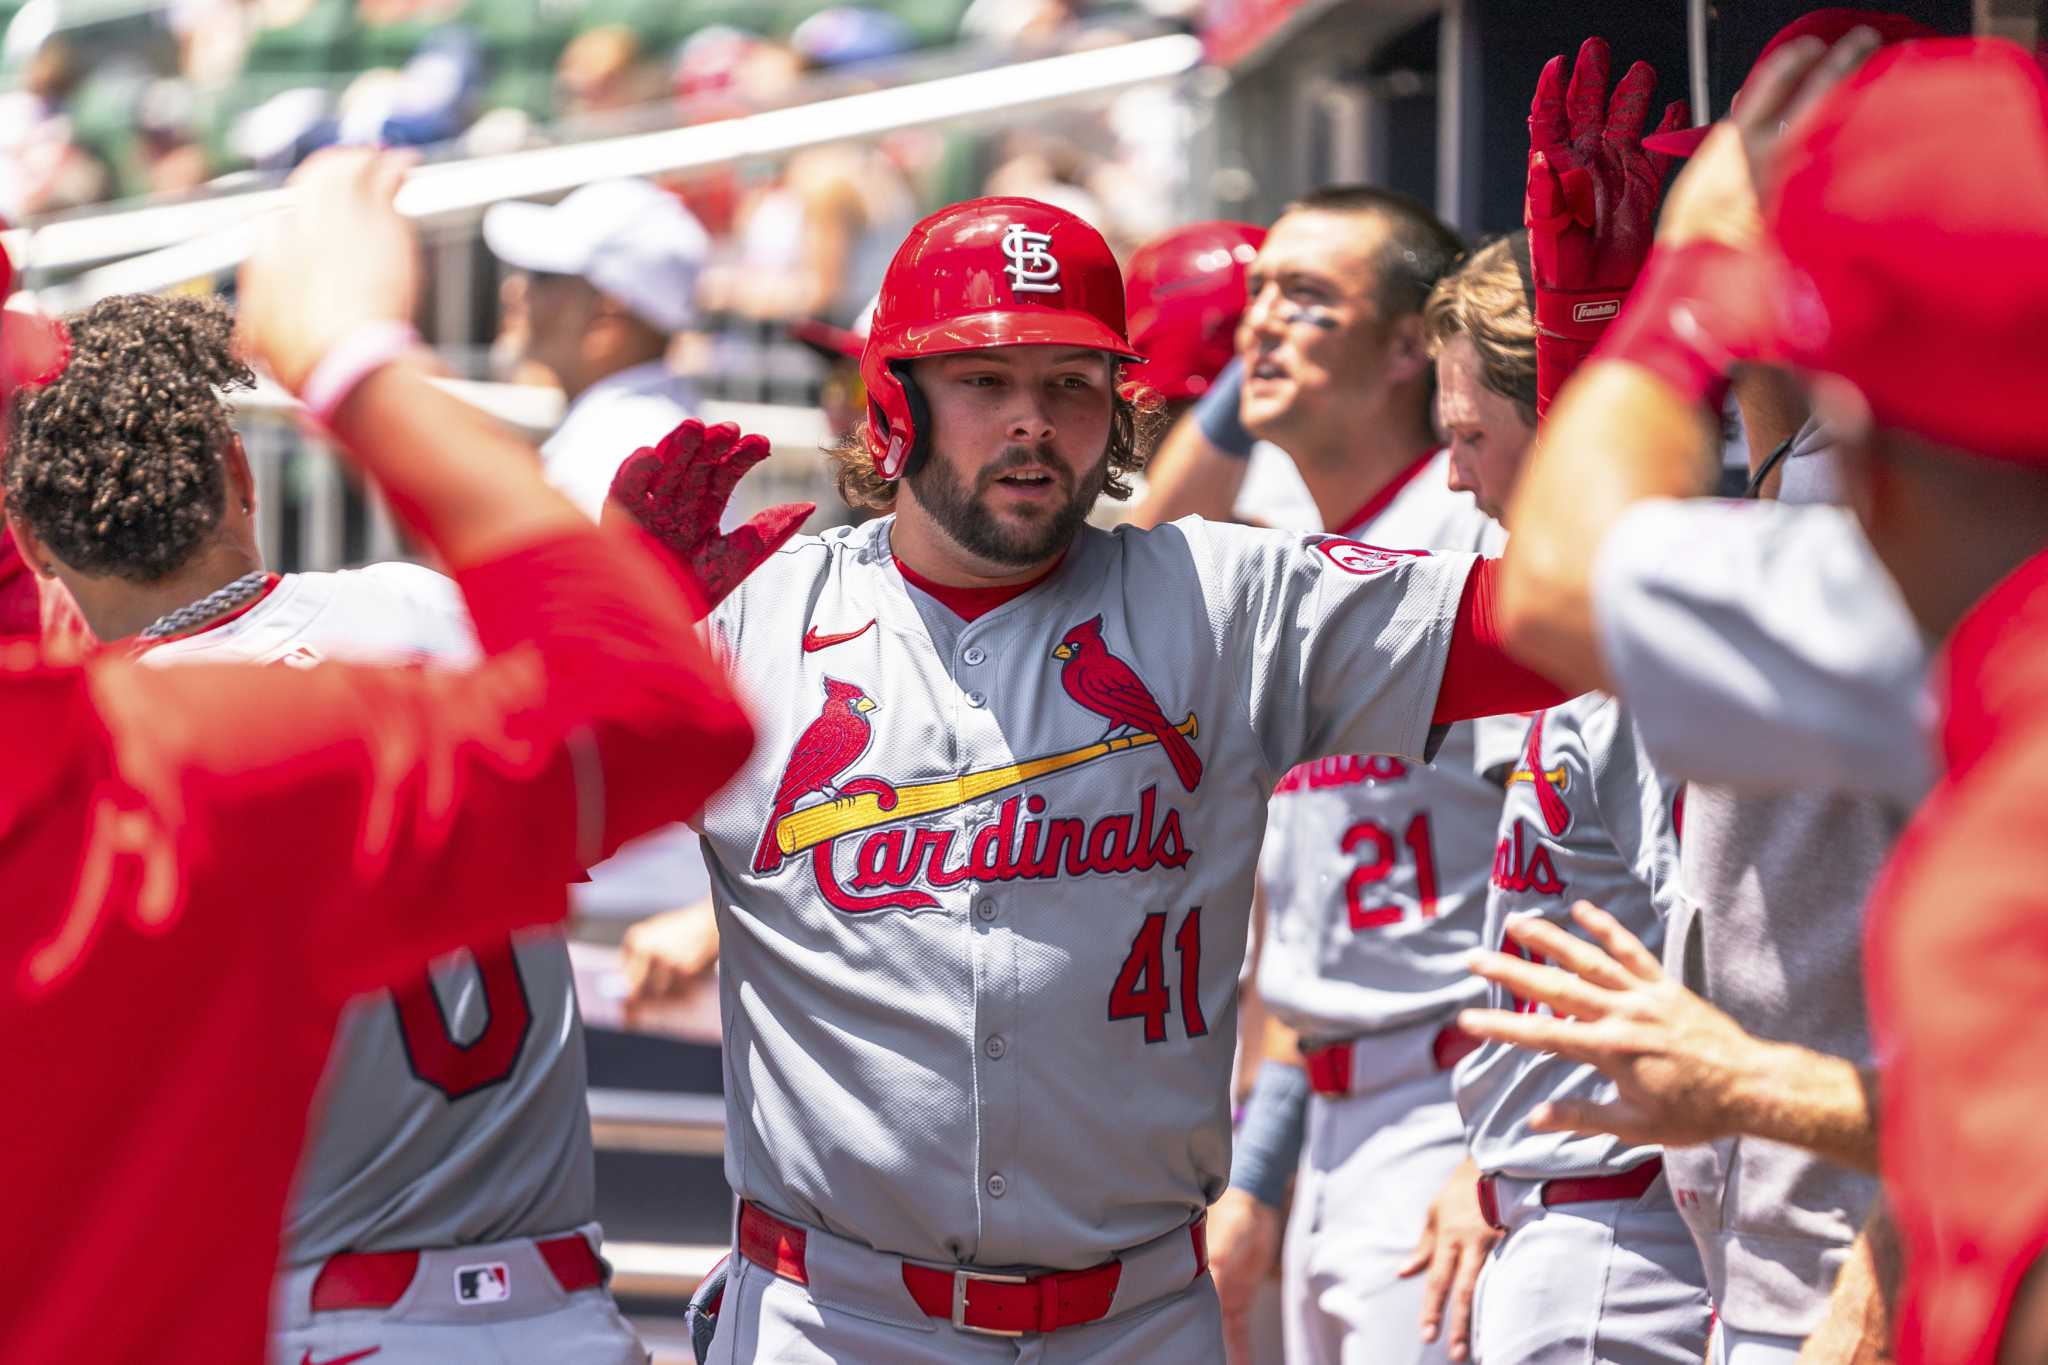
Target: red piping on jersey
270,583
968,603
1379,501
1480,679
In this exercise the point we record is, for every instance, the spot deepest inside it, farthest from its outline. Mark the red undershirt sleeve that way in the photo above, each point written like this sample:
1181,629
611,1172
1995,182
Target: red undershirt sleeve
1480,679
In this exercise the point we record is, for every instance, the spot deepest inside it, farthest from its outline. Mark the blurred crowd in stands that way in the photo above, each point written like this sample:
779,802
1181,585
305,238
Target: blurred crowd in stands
114,101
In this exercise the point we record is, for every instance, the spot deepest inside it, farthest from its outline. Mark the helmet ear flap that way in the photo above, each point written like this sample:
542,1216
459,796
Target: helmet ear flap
920,418
898,447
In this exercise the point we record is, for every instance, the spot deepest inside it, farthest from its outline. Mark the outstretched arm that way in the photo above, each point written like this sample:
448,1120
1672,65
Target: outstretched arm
1685,1072
1638,421
1480,677
438,808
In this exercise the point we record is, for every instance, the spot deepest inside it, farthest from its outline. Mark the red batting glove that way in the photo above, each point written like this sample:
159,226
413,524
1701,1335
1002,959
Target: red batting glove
1591,204
678,491
1700,310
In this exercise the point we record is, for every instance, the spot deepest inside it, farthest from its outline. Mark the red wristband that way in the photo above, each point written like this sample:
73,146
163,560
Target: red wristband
1696,313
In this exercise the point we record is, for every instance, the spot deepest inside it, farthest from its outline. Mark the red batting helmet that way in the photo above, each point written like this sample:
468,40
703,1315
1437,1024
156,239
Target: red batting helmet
989,272
1185,293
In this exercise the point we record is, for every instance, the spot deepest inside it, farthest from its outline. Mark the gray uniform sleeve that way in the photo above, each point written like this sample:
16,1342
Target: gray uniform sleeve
1763,647
1339,646
1633,804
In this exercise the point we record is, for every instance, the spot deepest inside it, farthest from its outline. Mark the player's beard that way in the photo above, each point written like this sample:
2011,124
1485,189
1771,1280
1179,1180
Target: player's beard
963,514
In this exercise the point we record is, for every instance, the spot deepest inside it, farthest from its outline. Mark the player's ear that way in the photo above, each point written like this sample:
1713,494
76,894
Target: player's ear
33,552
240,480
1408,357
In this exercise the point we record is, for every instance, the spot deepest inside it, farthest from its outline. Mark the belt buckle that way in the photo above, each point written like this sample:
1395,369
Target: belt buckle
960,1280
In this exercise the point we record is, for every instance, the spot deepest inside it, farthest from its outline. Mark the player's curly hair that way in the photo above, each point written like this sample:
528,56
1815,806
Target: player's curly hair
1137,418
1485,299
116,464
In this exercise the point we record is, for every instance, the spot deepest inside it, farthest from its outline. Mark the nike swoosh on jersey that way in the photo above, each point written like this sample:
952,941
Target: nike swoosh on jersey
813,642
338,1360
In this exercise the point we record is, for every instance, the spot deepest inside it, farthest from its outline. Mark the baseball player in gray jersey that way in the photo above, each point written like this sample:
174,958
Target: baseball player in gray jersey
1374,872
1374,867
983,895
1596,1263
445,1208
444,1211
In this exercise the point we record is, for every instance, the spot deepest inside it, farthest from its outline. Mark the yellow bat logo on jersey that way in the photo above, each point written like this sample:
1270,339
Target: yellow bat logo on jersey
1017,843
854,813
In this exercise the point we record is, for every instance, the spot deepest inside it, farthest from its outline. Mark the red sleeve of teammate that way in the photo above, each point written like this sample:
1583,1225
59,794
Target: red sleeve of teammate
20,603
1480,679
1955,1003
400,813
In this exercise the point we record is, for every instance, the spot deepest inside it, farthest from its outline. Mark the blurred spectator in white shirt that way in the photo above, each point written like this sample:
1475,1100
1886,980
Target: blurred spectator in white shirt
611,275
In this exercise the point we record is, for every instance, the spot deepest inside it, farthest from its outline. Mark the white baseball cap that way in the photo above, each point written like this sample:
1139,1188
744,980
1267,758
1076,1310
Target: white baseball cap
627,238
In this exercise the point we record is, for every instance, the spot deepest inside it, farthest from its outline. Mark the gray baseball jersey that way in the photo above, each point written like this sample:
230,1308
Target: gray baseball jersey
1586,818
983,886
1774,653
1374,867
453,1111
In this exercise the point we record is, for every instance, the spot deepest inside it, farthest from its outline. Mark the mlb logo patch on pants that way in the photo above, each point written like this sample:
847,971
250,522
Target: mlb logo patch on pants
489,1283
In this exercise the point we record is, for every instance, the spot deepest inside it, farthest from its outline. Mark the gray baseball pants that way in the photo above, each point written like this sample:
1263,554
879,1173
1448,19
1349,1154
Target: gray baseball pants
534,1323
1610,1281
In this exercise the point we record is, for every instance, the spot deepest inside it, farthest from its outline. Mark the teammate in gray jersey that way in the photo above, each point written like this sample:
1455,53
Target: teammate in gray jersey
1596,1262
1374,867
445,1209
983,893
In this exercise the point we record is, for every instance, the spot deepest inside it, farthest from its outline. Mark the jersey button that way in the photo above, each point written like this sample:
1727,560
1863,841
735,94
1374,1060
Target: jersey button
985,908
977,699
995,1047
997,1186
974,654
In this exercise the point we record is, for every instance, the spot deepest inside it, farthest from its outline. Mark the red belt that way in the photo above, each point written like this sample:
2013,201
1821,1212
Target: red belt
1330,1066
1585,1189
973,1300
379,1279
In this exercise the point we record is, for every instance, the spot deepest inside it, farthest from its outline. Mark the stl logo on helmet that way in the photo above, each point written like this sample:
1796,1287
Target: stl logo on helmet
1032,268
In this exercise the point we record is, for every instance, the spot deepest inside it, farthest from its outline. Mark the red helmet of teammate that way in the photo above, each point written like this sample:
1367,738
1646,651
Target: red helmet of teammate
989,272
1830,25
1185,293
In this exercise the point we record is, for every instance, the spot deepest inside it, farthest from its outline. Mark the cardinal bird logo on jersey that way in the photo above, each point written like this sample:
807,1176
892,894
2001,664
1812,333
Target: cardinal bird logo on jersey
1109,687
828,746
1550,784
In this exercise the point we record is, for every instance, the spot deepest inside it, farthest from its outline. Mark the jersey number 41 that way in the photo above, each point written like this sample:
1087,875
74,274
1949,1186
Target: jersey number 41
1141,990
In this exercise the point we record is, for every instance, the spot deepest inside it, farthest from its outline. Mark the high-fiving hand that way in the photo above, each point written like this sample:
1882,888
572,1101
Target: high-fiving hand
1590,201
678,491
1677,1062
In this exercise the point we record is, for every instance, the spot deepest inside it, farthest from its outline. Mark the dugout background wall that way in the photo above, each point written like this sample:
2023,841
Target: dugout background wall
1433,100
